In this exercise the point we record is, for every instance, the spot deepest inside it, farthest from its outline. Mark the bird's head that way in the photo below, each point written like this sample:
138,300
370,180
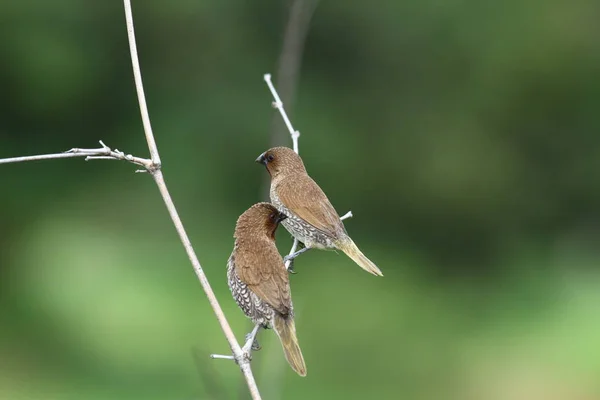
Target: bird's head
260,219
281,161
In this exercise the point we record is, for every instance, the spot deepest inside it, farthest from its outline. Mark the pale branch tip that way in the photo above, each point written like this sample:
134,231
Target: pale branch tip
221,356
279,105
347,215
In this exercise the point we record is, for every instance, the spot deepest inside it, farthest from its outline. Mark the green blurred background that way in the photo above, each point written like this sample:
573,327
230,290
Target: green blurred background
464,136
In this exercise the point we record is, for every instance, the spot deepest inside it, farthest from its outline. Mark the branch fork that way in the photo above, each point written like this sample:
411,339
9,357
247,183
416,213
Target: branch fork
246,354
153,166
106,153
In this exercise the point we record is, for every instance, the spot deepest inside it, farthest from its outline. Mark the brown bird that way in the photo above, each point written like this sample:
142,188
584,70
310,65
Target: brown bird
310,216
259,281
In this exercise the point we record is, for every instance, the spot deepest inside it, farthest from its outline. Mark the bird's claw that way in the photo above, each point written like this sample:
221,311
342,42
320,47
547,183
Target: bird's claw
291,269
247,355
254,346
289,260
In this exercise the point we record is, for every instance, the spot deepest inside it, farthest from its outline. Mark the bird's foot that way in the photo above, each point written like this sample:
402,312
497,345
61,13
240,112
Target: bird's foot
296,254
289,259
252,342
290,266
250,346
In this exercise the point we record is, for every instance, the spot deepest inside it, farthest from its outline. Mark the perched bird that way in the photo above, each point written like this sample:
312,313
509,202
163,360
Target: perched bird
259,281
310,216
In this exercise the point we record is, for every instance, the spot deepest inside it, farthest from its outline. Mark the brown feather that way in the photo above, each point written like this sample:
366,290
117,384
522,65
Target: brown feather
257,262
258,280
299,193
264,273
286,330
302,196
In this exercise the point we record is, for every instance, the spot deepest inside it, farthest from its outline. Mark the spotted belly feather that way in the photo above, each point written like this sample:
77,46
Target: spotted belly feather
257,310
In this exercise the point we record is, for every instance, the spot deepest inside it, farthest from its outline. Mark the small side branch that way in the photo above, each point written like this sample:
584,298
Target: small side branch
221,357
279,105
347,215
103,153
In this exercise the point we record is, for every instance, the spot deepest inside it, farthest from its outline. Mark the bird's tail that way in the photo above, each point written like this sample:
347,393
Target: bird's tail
286,330
347,246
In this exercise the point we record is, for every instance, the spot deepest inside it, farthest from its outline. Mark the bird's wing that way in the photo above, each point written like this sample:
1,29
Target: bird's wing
302,196
264,272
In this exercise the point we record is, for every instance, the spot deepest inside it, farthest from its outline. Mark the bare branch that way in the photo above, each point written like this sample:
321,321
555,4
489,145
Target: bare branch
347,215
45,157
103,153
137,74
279,105
222,357
241,357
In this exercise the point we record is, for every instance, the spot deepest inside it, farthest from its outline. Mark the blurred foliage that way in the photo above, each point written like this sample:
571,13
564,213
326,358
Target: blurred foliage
463,135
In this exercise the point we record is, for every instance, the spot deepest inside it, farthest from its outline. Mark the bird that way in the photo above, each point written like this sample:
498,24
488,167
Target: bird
259,281
311,218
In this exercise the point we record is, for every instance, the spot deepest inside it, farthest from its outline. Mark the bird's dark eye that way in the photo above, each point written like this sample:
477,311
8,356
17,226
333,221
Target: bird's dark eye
270,157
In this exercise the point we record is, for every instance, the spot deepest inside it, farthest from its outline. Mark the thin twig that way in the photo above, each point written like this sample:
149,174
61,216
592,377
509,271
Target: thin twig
279,105
347,215
44,157
240,357
103,153
221,356
212,299
137,75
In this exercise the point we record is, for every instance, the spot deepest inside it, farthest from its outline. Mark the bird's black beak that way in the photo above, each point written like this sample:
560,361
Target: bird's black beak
262,159
281,217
